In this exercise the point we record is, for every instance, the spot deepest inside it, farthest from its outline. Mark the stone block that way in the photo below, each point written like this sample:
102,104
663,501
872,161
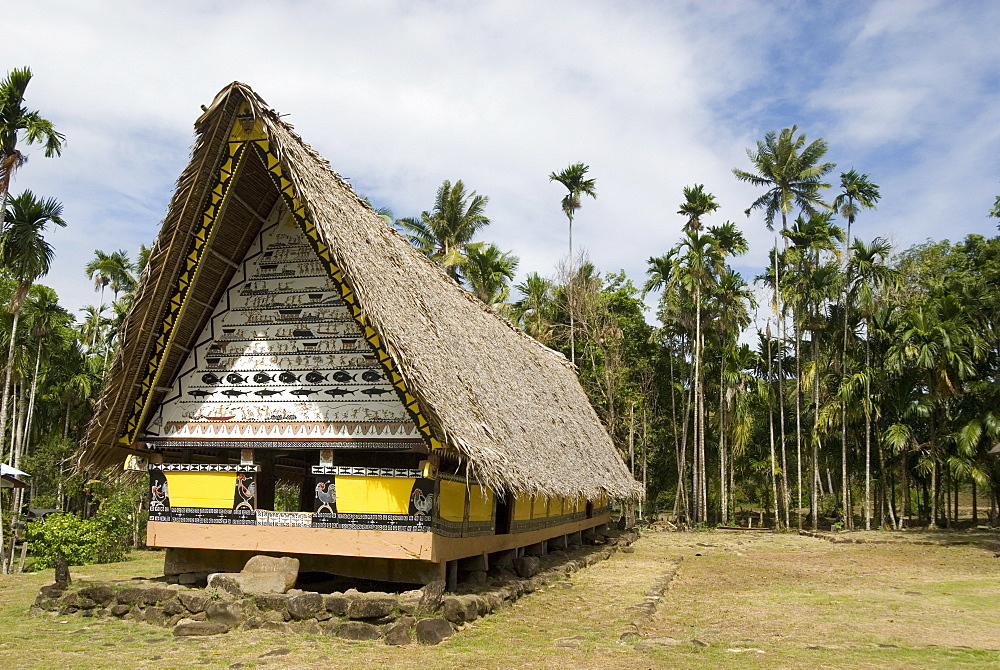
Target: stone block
399,633
358,630
433,631
229,612
258,583
459,609
154,615
53,590
527,566
305,606
285,567
308,627
192,627
192,578
132,595
99,593
173,607
409,601
273,601
431,598
371,607
120,610
194,601
225,583
337,603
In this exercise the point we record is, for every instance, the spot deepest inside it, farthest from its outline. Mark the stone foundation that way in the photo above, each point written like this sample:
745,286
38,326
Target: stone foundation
426,615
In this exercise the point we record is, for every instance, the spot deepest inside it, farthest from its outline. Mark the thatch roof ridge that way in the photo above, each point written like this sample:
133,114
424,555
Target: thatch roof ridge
511,407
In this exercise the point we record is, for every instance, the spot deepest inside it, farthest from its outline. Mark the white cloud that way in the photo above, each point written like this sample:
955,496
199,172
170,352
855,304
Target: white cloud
400,96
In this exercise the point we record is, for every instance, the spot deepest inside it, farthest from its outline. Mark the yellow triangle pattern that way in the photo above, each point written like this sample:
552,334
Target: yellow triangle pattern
217,198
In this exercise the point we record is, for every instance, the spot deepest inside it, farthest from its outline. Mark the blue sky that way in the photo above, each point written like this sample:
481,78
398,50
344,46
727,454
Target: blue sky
402,95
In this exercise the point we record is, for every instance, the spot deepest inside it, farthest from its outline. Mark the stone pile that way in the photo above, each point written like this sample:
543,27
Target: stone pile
247,600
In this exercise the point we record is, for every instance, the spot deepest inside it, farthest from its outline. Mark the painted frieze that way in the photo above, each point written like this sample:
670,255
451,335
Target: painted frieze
283,358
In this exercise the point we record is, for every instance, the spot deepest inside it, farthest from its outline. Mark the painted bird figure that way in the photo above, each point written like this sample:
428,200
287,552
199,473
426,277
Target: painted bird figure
327,495
422,503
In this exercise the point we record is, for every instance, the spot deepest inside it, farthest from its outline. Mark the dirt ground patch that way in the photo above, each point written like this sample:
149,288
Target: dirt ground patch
740,600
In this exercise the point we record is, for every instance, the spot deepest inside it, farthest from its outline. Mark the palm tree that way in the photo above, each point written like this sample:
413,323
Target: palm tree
940,340
26,256
443,233
114,270
16,120
577,185
792,173
857,193
535,310
696,204
489,272
697,267
868,278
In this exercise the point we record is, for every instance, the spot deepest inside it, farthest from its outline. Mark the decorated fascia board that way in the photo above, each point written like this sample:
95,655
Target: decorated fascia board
248,140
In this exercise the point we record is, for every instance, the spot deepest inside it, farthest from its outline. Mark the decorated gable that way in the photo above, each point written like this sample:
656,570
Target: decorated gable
283,358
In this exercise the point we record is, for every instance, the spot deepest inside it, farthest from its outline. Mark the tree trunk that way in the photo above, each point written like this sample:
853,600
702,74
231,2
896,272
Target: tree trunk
6,387
798,420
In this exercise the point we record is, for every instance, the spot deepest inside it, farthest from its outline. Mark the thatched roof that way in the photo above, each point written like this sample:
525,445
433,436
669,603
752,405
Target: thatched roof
511,408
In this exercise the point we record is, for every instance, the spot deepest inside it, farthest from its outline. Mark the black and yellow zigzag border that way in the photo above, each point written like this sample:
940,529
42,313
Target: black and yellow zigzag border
192,264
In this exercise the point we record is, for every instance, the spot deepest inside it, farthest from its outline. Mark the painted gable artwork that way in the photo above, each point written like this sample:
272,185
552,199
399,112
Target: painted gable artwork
295,378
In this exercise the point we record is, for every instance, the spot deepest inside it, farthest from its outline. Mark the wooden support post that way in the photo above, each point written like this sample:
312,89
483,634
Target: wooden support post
24,553
452,584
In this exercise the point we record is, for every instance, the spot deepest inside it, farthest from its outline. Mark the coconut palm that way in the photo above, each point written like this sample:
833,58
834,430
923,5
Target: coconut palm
791,172
536,309
489,272
443,233
17,121
114,270
574,178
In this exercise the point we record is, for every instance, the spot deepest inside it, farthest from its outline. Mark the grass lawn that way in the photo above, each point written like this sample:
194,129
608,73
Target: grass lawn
749,600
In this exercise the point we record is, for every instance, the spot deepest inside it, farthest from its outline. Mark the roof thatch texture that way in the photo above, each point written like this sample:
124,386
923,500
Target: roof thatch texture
512,408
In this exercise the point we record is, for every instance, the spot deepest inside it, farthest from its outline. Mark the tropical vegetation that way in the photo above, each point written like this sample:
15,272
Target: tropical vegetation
861,391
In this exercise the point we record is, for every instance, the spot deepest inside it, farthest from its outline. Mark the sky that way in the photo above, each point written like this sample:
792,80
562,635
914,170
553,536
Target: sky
400,96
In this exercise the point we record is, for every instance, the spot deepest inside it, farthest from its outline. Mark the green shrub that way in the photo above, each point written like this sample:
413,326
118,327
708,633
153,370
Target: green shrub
96,540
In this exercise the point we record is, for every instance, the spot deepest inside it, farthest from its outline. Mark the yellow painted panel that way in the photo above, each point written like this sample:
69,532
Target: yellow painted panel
373,495
540,508
452,501
557,507
480,504
522,507
201,489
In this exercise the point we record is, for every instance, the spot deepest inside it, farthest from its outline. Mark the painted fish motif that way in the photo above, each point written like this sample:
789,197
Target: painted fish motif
341,376
337,392
209,378
288,378
261,378
198,393
305,392
374,391
315,377
371,376
266,392
233,393
234,378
